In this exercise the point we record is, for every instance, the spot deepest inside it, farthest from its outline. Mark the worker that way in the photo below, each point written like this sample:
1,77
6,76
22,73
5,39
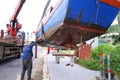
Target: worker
58,49
71,59
48,50
27,59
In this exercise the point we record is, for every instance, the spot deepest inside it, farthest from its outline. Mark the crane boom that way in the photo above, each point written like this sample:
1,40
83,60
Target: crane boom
14,25
17,10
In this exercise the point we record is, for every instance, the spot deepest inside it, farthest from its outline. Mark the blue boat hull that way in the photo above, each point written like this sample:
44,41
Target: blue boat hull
72,22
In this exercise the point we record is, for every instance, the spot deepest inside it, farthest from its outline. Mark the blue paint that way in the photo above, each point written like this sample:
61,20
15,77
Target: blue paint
92,12
57,18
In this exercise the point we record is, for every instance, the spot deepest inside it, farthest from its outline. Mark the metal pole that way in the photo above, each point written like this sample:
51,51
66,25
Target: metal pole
109,71
35,50
2,33
101,64
103,67
102,73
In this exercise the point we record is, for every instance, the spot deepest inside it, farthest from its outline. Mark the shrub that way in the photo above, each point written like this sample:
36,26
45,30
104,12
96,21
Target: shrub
105,49
115,60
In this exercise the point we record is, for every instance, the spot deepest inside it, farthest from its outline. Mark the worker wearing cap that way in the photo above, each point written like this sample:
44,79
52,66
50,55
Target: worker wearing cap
27,59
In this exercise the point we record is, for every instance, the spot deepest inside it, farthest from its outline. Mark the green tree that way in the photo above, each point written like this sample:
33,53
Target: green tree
118,18
114,29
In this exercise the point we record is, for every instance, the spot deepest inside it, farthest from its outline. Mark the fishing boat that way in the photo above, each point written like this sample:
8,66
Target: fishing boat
71,22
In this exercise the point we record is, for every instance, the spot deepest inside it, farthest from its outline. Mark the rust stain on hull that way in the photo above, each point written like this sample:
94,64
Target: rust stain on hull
69,34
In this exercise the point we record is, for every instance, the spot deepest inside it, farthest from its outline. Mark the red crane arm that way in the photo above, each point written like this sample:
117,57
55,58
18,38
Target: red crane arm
14,26
17,9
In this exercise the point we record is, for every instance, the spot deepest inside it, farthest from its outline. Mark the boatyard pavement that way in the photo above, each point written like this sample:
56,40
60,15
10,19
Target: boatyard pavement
62,72
45,68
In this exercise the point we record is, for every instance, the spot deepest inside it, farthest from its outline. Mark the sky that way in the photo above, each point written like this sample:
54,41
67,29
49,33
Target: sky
29,15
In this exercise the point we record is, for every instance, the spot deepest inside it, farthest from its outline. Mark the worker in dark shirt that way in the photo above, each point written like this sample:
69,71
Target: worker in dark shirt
27,60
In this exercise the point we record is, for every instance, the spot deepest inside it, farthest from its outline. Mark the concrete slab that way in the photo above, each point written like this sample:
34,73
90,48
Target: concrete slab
63,72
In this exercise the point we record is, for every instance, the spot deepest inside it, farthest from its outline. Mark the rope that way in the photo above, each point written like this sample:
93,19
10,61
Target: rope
42,30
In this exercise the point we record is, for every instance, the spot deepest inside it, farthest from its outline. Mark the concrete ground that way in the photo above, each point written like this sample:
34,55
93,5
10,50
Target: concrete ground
62,72
46,68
